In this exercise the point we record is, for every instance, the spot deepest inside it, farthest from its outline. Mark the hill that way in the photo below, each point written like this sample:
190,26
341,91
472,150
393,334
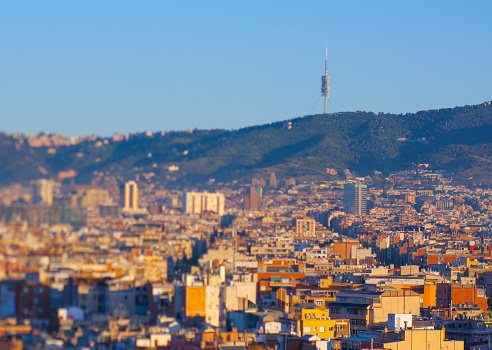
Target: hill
454,139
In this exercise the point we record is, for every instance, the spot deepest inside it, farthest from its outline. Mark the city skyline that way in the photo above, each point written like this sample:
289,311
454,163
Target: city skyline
104,68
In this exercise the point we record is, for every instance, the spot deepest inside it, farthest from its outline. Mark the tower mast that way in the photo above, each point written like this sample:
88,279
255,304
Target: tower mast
325,80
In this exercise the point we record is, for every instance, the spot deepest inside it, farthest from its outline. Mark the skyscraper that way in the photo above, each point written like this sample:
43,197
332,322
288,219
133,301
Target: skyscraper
252,198
131,196
355,198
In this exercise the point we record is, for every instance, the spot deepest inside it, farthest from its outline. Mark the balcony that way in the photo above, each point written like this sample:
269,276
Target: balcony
342,333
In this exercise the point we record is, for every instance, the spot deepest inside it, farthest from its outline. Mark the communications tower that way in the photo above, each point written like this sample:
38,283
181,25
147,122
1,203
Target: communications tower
325,81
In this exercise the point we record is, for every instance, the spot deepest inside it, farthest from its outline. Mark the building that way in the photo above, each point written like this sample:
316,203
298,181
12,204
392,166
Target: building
131,196
355,198
75,216
109,210
460,294
317,322
42,191
252,198
305,228
469,330
408,339
199,202
273,179
93,197
202,302
369,307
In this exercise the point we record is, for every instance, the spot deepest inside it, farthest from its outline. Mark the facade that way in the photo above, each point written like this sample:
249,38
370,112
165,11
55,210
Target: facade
204,302
273,180
317,322
460,294
199,202
42,191
33,300
109,210
369,308
417,339
469,330
305,228
252,198
355,198
131,196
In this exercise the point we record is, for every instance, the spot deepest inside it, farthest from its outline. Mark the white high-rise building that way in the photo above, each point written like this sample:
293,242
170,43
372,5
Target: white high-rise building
199,202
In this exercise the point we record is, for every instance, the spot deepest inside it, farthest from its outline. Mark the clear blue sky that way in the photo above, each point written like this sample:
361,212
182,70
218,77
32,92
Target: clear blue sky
83,67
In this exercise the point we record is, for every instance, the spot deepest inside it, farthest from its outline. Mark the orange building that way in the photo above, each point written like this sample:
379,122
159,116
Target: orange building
459,294
195,301
432,258
344,248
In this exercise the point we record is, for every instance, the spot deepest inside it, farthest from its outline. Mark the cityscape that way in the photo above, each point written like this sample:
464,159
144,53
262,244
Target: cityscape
166,182
347,264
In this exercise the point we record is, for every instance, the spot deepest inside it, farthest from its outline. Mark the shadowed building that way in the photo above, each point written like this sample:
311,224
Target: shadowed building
252,198
355,198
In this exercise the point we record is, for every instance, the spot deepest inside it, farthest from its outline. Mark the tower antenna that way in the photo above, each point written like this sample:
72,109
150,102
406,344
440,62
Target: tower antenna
325,80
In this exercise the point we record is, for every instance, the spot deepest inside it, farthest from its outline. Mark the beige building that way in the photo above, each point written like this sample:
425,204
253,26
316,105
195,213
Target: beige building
91,198
42,191
420,339
369,306
305,228
131,196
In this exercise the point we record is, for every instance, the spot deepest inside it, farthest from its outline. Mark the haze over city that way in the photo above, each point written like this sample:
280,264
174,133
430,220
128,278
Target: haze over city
80,68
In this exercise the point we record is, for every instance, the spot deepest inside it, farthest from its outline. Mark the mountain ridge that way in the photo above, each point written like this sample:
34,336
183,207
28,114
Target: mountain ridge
453,139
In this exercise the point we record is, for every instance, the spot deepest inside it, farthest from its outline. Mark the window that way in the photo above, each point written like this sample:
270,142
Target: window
322,329
307,329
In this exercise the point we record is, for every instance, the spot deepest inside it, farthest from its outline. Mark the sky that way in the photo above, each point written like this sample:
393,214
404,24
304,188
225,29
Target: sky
104,67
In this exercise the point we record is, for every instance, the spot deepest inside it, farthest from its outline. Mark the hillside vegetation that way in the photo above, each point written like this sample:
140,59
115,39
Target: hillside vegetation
455,139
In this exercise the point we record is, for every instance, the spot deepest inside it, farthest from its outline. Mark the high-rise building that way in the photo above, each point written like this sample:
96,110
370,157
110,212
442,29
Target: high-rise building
355,198
109,210
252,198
199,202
42,191
131,196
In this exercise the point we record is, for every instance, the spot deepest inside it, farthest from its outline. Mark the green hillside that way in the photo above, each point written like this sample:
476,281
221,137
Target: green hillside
457,139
